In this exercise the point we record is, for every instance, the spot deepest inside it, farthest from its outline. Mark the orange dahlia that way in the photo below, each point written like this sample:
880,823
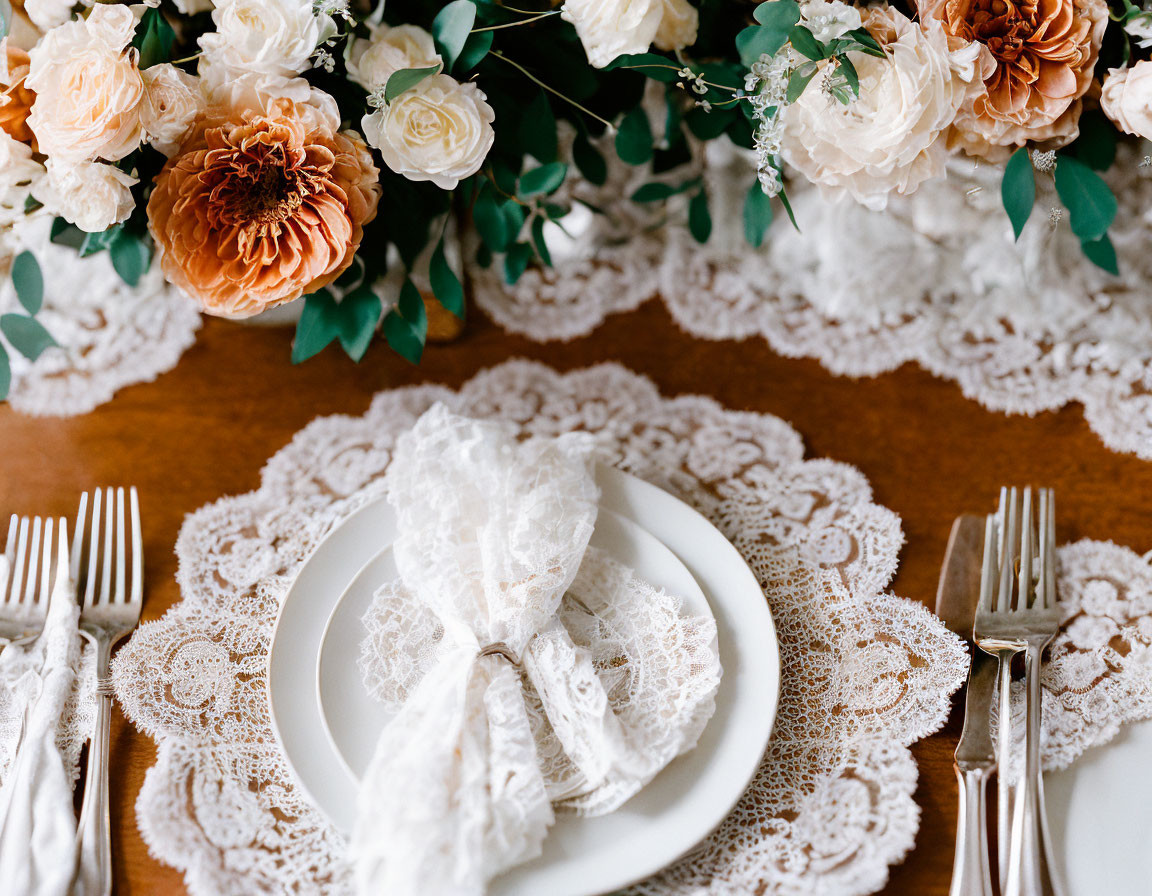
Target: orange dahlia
262,204
15,97
1044,52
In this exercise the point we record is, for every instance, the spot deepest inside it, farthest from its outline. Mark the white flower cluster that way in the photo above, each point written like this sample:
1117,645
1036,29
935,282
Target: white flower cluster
766,89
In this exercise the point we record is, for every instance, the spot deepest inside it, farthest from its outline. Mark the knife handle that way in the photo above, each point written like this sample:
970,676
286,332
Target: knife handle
970,872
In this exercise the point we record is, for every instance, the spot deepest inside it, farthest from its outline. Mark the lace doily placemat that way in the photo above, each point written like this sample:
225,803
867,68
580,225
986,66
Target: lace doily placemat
936,279
865,673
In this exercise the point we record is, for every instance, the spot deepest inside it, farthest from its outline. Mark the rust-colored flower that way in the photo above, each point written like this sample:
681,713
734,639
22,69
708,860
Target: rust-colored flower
15,97
1044,52
263,204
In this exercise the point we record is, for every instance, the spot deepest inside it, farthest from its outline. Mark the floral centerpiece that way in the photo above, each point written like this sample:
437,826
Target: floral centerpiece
269,151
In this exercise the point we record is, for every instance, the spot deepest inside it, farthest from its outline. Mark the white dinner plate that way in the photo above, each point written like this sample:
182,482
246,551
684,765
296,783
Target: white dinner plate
1100,813
710,778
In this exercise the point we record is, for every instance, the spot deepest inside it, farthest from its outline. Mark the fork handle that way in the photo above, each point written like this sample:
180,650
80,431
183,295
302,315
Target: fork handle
970,869
94,834
1030,870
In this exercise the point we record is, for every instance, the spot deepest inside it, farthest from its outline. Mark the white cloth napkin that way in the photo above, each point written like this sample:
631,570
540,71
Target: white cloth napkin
38,753
493,534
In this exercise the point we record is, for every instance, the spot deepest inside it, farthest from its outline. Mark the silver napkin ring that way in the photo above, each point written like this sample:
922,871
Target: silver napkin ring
500,649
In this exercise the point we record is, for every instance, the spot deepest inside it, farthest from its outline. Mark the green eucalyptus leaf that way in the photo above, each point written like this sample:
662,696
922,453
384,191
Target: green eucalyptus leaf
516,262
589,161
656,192
98,242
537,130
757,215
476,47
848,70
26,335
543,180
450,30
1090,202
654,66
154,38
1096,145
1101,253
317,327
866,42
699,218
759,40
634,138
708,125
800,79
358,315
1018,189
538,241
28,282
788,208
782,14
5,27
805,43
489,220
406,79
446,286
131,257
64,233
5,374
406,325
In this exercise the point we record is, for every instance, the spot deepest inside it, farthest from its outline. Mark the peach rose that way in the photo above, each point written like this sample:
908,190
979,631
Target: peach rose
15,97
1127,99
88,87
1044,52
172,103
265,201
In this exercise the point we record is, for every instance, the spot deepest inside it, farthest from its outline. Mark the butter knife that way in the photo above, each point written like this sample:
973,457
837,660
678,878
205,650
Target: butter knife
956,600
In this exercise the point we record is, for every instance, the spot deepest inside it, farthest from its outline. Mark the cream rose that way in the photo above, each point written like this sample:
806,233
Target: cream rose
92,195
678,25
172,103
1126,99
88,88
611,28
440,130
269,36
372,61
19,175
889,138
48,14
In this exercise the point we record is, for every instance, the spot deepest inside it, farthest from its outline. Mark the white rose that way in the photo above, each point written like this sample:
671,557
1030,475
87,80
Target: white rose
829,19
611,28
678,25
233,96
440,130
172,103
48,14
889,138
1140,27
269,36
191,7
88,88
372,61
1126,98
19,175
91,195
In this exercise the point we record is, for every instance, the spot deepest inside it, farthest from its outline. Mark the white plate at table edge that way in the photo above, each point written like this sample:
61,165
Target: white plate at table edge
751,673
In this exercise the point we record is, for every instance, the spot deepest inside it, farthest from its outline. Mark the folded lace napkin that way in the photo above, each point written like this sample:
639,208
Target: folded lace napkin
526,668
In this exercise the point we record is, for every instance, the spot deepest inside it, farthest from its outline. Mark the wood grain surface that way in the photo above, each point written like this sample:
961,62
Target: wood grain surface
205,430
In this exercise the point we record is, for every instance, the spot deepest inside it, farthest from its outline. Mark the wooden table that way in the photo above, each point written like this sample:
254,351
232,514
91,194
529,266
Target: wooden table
205,430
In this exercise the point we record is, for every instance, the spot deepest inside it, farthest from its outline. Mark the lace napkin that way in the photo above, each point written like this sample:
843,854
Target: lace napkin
42,717
499,604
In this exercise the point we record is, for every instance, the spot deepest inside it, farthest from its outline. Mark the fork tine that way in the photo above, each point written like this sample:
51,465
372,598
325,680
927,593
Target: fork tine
120,547
1025,575
1049,540
33,563
93,549
106,576
1009,538
988,572
137,590
44,592
18,562
78,539
9,556
62,578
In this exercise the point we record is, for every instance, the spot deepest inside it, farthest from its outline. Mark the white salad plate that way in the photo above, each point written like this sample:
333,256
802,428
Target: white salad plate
582,856
1100,815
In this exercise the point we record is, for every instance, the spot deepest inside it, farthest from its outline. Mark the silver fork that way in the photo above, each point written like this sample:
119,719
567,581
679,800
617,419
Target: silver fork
112,598
1024,619
27,573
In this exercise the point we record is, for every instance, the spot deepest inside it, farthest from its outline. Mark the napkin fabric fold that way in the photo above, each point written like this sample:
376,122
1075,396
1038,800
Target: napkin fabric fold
508,614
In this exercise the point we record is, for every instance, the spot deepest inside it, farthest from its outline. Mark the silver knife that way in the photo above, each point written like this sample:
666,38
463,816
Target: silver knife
956,599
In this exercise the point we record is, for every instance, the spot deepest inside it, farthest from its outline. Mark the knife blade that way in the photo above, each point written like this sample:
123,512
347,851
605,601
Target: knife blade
957,597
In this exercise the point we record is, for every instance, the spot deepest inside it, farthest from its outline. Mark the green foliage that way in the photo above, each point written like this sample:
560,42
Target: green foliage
799,80
406,325
5,374
131,256
406,79
446,286
25,334
1089,200
476,47
538,241
543,180
28,282
450,30
1096,145
352,321
653,65
1101,253
805,43
1018,189
699,218
537,131
757,215
634,138
153,38
5,27
516,262
589,162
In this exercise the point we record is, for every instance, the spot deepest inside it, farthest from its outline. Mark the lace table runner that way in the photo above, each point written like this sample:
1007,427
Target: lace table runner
865,673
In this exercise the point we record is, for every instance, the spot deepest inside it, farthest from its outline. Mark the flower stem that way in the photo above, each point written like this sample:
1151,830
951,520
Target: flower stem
536,18
531,77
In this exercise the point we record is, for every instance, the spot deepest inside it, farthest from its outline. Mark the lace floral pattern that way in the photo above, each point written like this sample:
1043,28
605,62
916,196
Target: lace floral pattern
935,279
865,674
